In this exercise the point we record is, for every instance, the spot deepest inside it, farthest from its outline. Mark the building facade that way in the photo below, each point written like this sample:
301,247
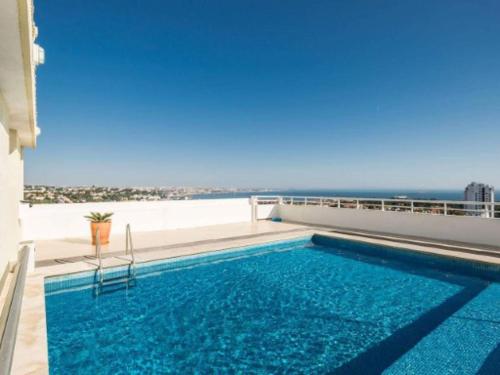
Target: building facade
478,192
19,56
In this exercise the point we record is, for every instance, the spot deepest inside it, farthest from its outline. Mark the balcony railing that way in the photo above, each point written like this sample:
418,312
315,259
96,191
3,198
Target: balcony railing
431,207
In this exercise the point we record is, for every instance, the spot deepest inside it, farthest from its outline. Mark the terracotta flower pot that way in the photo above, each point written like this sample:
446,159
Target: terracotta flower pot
104,230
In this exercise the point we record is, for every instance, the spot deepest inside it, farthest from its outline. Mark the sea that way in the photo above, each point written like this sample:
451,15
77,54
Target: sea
411,194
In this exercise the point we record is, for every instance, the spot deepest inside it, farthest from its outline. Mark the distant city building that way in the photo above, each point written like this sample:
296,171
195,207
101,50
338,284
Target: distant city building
478,192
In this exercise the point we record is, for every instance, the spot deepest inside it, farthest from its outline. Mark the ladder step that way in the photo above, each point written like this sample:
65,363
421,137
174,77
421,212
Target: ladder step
129,247
117,280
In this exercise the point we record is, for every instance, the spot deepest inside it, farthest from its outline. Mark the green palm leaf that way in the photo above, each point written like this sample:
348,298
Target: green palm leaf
98,217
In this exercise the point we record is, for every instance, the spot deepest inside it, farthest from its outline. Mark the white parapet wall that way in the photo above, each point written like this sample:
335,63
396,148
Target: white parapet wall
50,221
472,230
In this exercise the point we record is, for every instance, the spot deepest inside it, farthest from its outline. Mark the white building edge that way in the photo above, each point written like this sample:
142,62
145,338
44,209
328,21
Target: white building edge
19,56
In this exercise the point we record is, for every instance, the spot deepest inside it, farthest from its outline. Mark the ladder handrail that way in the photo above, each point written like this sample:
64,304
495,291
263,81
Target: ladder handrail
129,247
99,254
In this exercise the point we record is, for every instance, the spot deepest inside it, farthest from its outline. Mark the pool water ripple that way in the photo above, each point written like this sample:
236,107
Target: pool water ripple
300,309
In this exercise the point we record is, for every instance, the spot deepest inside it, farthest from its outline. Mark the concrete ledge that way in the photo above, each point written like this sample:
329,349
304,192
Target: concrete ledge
412,240
51,262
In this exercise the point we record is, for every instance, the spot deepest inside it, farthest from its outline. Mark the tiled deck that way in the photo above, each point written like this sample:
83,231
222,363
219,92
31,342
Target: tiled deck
59,249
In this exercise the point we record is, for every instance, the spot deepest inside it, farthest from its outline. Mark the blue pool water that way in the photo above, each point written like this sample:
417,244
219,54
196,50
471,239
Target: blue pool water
289,307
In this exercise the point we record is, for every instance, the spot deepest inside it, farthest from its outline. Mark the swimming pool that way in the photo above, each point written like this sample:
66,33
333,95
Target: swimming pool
315,305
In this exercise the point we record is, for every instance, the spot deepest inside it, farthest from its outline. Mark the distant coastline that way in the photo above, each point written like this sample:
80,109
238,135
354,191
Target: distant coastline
411,194
42,194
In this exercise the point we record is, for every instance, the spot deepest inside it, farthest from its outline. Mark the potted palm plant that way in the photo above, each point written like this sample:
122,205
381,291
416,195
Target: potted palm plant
103,222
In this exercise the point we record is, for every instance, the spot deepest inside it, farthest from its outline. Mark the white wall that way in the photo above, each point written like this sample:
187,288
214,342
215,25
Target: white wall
15,183
47,221
267,211
5,212
472,230
11,190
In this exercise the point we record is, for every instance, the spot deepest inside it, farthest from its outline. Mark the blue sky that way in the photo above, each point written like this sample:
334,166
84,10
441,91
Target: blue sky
302,94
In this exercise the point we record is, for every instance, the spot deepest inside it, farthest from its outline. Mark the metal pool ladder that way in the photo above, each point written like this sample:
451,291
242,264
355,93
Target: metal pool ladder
129,249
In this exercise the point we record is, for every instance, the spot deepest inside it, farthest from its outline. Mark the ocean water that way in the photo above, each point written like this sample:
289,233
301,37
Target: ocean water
412,194
291,308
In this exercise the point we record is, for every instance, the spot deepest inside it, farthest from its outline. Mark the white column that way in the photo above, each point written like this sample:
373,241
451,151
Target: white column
253,203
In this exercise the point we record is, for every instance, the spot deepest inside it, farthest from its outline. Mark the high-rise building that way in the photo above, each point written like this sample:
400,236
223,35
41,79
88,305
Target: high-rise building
478,192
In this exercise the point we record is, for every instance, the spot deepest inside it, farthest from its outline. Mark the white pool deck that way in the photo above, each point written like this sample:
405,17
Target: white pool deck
66,256
65,248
